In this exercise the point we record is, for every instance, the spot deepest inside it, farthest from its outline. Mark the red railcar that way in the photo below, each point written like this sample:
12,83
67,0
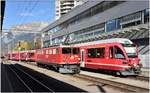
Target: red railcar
118,55
23,55
14,56
31,55
64,58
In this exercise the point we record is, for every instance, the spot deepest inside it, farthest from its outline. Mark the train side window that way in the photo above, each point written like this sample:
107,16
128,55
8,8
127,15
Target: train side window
66,50
76,51
54,51
119,53
47,52
101,52
96,53
50,51
57,51
111,51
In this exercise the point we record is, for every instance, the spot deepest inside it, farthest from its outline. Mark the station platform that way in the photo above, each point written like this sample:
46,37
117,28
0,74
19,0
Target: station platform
128,81
145,71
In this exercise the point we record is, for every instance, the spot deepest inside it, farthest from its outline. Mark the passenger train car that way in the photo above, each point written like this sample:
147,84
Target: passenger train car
119,55
14,56
31,56
23,55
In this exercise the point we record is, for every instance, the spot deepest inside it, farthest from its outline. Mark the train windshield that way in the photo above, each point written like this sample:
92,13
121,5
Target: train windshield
130,50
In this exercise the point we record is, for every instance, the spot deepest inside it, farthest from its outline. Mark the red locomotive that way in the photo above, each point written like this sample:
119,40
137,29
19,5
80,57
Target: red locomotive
64,58
118,55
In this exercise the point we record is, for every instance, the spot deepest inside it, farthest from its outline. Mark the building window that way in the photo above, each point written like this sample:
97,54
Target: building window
146,15
130,18
131,24
96,53
112,25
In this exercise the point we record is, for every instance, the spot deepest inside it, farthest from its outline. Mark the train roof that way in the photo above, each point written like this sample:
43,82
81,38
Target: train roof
113,40
59,45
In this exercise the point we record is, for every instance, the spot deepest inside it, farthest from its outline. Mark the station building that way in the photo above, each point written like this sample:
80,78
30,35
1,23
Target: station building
97,20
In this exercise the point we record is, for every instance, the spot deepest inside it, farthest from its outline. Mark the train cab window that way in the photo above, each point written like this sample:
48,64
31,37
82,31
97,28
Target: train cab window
76,50
111,51
119,53
66,50
96,53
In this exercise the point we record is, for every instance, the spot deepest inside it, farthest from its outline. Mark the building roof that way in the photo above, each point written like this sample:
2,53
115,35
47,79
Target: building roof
74,12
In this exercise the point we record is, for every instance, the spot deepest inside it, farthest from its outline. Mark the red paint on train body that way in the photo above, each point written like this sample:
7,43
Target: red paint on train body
60,57
114,56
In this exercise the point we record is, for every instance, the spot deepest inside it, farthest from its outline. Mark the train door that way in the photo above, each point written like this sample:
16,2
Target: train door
82,62
116,58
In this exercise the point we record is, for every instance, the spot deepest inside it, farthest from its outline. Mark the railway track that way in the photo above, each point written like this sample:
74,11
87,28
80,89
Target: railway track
115,85
30,83
141,78
35,81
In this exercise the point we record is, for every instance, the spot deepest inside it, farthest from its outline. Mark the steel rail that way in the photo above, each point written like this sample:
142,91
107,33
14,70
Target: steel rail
20,79
31,77
35,79
131,88
120,85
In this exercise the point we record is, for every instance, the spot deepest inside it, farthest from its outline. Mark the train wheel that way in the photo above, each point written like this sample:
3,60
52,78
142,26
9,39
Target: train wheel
38,64
77,71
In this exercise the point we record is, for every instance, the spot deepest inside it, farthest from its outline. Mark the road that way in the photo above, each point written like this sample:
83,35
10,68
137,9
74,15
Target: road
17,78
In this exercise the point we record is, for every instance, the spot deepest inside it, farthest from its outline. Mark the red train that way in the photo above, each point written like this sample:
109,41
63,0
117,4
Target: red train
31,56
64,58
118,55
13,56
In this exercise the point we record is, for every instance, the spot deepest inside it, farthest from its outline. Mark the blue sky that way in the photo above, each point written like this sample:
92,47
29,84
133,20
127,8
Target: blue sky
27,11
